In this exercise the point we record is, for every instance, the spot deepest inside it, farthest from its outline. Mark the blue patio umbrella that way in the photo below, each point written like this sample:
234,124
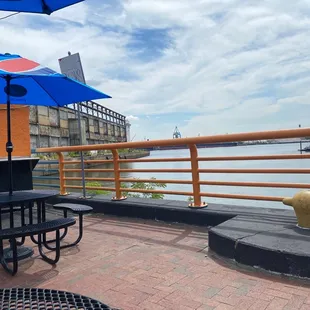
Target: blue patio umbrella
26,82
35,6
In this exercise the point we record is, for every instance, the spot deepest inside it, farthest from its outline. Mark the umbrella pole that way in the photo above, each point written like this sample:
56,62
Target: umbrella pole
9,145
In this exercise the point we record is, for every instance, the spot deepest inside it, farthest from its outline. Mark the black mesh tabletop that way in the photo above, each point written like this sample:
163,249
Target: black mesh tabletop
24,196
45,299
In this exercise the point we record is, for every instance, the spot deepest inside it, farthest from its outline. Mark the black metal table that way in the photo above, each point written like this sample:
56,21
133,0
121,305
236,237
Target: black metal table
36,298
23,200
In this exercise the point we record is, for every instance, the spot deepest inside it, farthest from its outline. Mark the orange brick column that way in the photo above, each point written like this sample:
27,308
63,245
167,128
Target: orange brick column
20,130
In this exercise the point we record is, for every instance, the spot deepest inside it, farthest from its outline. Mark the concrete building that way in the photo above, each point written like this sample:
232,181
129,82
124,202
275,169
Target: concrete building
51,126
128,125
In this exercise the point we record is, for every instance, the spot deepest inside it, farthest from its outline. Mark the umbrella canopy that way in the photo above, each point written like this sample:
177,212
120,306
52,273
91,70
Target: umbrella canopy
35,6
26,82
33,84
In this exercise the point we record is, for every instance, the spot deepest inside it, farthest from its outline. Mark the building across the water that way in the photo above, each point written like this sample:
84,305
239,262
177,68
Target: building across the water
51,126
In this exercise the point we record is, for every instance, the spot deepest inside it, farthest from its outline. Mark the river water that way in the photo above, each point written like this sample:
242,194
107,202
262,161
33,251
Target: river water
225,151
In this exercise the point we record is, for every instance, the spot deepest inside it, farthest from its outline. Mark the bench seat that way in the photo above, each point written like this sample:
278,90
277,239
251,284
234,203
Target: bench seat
29,231
76,209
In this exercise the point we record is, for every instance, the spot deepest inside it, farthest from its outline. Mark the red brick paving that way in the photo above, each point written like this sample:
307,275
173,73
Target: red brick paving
136,264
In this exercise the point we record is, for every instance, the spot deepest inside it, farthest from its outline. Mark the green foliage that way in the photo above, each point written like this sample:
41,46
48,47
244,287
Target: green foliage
48,156
87,153
146,186
77,154
74,154
96,191
122,151
127,150
134,185
190,199
104,152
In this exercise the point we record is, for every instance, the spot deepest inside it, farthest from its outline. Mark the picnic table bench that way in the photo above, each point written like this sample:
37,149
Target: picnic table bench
78,209
32,230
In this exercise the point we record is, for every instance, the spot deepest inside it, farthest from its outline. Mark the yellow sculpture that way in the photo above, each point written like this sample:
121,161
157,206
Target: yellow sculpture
301,204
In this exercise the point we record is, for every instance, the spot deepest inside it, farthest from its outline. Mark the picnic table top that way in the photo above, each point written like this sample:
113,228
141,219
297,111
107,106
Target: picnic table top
25,196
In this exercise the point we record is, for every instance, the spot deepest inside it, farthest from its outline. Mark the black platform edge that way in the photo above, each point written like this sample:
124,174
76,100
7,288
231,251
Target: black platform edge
275,246
172,211
272,260
149,210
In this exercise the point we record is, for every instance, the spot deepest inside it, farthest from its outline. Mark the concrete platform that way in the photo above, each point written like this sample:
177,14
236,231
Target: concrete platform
257,237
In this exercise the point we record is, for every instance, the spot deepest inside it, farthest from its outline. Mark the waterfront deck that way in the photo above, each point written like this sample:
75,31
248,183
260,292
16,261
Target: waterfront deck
143,264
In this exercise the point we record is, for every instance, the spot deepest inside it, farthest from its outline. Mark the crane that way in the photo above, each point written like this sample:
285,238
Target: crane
176,133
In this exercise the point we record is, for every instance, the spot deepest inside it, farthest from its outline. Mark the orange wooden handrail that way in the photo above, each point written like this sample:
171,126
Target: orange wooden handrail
154,160
117,176
88,170
133,190
195,176
187,159
92,161
257,184
262,135
61,174
252,171
189,182
157,170
102,188
89,179
256,157
239,196
194,169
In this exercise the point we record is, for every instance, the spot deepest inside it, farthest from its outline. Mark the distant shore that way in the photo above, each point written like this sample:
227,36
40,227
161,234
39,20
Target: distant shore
49,168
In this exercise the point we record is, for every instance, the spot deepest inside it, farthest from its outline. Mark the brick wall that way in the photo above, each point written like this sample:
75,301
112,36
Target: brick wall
20,130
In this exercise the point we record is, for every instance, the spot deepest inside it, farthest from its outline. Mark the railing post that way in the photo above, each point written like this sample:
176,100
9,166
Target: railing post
195,178
61,175
117,176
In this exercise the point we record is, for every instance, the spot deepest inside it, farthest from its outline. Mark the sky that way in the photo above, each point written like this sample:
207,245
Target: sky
206,66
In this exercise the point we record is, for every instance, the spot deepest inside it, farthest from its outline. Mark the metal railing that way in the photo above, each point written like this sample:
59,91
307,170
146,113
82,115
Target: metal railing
46,170
97,110
195,171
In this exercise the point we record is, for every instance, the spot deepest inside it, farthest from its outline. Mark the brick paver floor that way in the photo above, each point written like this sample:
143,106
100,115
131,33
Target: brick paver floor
136,264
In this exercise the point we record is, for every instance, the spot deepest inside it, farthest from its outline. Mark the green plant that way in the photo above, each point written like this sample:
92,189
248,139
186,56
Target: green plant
77,154
146,186
190,199
96,191
48,156
104,152
74,154
120,151
134,185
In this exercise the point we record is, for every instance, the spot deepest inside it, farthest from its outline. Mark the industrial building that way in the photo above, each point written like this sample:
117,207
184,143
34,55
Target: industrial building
51,126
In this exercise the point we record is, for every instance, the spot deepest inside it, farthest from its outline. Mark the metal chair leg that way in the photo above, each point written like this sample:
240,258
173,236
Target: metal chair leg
4,264
22,219
57,249
71,244
63,234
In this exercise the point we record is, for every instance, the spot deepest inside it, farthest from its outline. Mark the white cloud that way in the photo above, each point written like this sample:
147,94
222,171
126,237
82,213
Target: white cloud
237,65
132,118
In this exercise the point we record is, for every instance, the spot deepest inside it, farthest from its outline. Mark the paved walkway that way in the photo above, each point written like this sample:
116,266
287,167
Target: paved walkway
135,264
